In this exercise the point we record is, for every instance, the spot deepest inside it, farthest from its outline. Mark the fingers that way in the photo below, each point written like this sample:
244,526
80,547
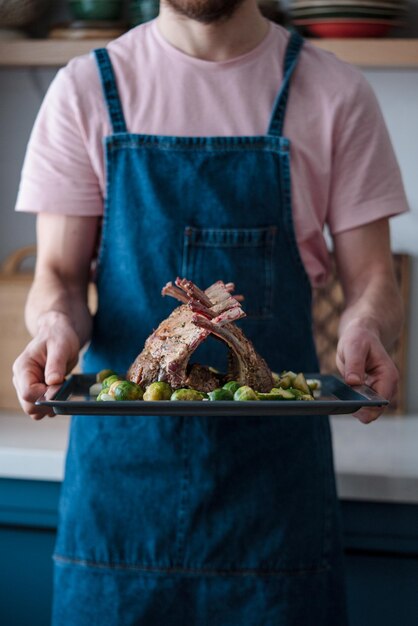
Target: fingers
385,378
45,362
352,356
361,358
28,391
56,363
366,416
29,379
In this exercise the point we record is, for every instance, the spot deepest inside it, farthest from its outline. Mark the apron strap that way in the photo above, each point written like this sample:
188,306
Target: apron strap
291,59
110,90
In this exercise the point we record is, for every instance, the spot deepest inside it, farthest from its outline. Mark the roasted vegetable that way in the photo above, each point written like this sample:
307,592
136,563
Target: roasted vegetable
313,383
306,396
104,396
100,376
95,389
245,393
221,394
273,395
284,394
287,386
232,386
127,391
111,390
286,380
300,383
315,386
158,391
107,382
187,394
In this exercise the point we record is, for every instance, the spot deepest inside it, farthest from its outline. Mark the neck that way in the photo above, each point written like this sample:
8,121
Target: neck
218,41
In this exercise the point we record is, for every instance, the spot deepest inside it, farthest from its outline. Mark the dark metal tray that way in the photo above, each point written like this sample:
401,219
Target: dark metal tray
73,398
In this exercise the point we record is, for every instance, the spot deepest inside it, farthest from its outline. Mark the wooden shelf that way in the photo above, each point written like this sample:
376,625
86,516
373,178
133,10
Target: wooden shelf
383,53
44,52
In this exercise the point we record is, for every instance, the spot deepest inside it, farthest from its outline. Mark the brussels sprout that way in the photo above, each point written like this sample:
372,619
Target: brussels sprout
272,395
306,396
221,394
313,383
187,394
283,394
100,376
104,396
300,383
127,390
111,390
286,380
158,391
109,380
315,386
296,392
232,386
277,393
95,389
245,393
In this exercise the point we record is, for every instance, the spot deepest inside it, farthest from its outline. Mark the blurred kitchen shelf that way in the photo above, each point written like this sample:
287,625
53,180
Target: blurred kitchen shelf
383,53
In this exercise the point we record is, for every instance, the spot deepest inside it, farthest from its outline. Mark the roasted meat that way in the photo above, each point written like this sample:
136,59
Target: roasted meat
167,351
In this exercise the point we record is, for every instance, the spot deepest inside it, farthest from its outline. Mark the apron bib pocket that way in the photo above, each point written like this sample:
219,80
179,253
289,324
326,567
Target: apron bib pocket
243,256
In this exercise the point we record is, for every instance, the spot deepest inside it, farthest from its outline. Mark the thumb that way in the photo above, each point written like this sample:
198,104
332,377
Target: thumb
56,364
354,354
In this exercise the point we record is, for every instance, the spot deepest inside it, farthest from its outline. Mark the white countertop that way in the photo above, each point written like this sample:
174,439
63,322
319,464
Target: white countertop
378,462
32,450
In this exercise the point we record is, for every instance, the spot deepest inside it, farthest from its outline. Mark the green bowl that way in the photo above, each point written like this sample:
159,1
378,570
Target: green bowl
96,9
141,11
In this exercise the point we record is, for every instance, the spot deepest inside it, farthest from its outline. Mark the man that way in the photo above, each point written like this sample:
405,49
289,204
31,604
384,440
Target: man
229,144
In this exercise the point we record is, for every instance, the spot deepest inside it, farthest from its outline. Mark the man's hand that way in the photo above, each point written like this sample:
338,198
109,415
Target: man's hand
362,359
46,360
57,313
372,318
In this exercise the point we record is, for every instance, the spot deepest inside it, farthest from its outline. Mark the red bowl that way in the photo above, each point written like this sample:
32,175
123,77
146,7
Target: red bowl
343,29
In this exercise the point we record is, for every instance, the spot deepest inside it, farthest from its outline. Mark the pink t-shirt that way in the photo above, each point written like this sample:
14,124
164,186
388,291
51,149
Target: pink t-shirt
344,172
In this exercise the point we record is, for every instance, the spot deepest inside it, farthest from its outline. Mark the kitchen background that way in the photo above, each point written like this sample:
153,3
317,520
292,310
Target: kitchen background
23,89
376,466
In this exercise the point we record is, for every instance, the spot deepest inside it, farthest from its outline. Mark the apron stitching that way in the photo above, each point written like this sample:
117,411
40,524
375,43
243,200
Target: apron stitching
208,148
190,570
286,185
102,247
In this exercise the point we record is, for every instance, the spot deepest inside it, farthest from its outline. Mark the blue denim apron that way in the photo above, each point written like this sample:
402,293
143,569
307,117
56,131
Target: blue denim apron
199,521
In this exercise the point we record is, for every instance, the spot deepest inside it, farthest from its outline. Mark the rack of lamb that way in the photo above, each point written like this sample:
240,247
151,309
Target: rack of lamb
168,350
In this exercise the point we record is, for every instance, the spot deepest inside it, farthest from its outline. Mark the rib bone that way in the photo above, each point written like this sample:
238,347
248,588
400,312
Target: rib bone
167,351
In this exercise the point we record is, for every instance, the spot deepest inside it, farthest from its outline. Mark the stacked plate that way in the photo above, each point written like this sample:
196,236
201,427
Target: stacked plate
348,18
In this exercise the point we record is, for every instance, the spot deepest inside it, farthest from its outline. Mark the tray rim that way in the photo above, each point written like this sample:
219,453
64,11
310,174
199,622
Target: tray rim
363,397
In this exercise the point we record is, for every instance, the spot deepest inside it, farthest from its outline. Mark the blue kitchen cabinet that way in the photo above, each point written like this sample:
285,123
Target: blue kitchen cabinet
28,520
381,547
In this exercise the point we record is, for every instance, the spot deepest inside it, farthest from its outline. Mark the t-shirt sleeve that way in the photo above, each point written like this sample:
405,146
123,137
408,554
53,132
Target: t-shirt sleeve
58,175
366,180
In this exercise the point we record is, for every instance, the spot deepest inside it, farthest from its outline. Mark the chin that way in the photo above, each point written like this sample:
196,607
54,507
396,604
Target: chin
205,11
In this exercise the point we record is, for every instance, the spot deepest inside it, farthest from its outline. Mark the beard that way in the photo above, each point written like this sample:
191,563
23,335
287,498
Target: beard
205,11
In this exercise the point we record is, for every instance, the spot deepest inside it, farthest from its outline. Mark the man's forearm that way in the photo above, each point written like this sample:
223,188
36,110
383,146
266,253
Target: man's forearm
54,301
375,305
